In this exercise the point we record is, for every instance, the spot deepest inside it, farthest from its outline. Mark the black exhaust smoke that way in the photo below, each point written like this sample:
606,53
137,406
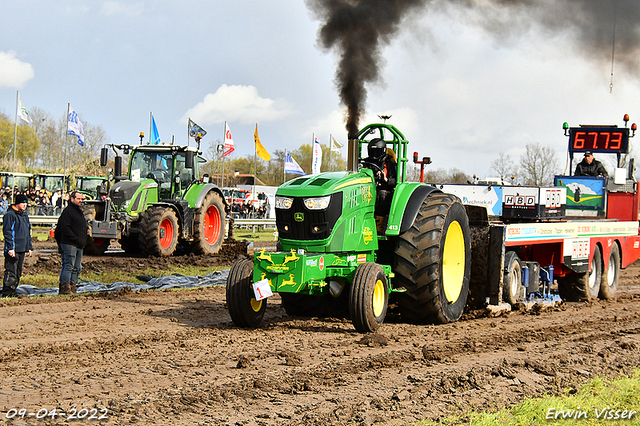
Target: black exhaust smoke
357,30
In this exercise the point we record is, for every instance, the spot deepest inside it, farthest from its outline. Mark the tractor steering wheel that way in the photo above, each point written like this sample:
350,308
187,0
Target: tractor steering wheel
373,166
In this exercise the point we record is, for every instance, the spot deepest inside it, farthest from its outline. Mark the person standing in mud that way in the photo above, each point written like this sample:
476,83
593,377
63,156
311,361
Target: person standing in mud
17,243
71,235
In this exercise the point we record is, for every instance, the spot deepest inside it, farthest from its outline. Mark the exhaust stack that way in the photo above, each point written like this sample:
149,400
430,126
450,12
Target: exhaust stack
352,155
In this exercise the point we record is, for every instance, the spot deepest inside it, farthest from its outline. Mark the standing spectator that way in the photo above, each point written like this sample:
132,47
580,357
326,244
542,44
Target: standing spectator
17,242
71,235
4,203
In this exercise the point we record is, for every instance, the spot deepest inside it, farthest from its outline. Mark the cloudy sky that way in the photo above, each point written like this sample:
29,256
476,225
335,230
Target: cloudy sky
460,85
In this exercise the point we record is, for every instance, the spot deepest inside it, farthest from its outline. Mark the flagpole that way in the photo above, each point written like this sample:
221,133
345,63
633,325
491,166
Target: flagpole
255,167
224,138
150,118
284,167
66,140
15,136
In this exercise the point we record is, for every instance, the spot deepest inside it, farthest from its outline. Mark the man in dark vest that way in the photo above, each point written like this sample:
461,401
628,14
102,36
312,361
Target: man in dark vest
17,242
71,234
589,166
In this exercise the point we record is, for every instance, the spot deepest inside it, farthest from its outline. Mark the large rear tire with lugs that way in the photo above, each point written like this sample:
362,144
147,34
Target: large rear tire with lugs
158,231
433,262
209,225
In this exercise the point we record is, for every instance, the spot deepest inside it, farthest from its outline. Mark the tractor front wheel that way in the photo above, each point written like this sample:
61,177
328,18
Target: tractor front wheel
433,262
369,297
209,225
244,309
96,246
158,231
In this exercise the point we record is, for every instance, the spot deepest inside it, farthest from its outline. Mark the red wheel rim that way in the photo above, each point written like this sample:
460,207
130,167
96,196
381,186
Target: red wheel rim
166,233
212,225
99,241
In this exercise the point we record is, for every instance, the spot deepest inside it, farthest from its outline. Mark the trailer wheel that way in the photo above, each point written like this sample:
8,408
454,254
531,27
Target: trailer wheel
244,309
369,297
609,284
583,286
158,231
433,262
209,225
512,290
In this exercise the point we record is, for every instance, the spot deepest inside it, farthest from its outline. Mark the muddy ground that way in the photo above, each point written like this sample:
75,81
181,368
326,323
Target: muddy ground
174,357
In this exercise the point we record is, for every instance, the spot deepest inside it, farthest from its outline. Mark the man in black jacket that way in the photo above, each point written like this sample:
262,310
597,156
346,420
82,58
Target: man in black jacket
17,242
71,234
589,166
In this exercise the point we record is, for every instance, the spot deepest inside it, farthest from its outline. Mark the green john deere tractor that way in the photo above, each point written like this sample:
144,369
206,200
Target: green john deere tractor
162,202
335,260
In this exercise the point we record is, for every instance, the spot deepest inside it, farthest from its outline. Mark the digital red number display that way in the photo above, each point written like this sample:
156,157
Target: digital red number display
598,139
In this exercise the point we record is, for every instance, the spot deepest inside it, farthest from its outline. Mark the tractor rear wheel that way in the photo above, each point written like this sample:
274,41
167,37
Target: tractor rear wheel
209,225
158,231
583,286
244,309
609,283
369,297
129,244
433,262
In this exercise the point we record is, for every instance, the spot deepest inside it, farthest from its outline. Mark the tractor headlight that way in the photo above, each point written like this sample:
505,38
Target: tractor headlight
318,203
283,202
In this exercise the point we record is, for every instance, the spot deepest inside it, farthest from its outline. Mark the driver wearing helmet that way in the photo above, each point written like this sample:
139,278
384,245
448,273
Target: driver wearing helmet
385,170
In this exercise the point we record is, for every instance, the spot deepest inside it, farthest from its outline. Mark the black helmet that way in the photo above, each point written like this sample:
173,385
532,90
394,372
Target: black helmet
377,149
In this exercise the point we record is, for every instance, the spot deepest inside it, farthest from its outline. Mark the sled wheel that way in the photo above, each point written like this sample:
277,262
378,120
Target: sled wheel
159,232
583,286
609,283
209,225
244,309
433,262
512,290
369,297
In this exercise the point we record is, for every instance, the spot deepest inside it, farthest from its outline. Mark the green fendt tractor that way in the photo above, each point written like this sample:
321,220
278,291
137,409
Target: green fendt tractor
162,202
336,257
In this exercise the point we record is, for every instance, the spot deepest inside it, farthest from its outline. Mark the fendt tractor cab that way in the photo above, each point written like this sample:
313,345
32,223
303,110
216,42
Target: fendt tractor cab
334,260
161,203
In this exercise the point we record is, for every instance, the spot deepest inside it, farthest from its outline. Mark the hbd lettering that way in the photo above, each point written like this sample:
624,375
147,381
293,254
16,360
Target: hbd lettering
600,414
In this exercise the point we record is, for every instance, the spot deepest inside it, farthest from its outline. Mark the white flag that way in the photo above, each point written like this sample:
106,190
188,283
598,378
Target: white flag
228,141
291,166
335,146
74,126
22,112
317,156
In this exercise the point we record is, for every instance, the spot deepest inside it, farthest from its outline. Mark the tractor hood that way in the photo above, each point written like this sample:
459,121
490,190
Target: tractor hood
324,183
126,191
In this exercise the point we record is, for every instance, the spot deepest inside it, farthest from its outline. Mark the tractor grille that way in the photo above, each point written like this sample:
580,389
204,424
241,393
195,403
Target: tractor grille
123,191
314,224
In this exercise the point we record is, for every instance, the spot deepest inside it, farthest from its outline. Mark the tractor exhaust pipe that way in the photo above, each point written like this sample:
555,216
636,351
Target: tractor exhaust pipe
352,154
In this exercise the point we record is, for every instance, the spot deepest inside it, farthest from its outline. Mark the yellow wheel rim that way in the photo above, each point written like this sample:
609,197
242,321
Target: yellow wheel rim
256,304
378,298
453,262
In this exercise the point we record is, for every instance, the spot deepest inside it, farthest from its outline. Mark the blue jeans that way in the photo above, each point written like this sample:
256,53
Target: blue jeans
71,263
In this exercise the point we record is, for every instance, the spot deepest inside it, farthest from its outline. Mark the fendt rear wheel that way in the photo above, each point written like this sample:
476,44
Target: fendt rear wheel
583,286
209,225
512,290
433,262
130,244
158,231
244,309
609,283
369,297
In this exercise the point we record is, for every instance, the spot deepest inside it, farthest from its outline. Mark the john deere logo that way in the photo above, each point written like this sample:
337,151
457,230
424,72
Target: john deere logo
299,217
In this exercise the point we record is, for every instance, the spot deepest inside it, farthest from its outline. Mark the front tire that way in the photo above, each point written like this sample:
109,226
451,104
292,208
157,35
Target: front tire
244,309
433,262
369,297
209,225
609,283
96,246
158,232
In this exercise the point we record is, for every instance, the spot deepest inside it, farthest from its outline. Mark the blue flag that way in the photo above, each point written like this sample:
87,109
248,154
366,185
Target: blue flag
291,166
155,136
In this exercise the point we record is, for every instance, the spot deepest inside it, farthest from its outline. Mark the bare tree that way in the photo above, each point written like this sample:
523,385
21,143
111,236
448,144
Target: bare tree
504,167
538,165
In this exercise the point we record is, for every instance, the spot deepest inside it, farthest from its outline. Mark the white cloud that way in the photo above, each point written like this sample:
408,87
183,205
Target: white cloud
116,8
240,104
13,72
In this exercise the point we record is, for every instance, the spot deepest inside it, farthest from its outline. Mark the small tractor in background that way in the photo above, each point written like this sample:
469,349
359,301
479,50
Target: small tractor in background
162,203
92,187
334,260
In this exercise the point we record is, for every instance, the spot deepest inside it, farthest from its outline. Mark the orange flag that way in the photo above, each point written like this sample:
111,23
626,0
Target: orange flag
260,151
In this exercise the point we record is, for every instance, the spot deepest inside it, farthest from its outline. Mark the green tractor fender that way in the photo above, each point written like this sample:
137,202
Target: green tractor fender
407,199
202,193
